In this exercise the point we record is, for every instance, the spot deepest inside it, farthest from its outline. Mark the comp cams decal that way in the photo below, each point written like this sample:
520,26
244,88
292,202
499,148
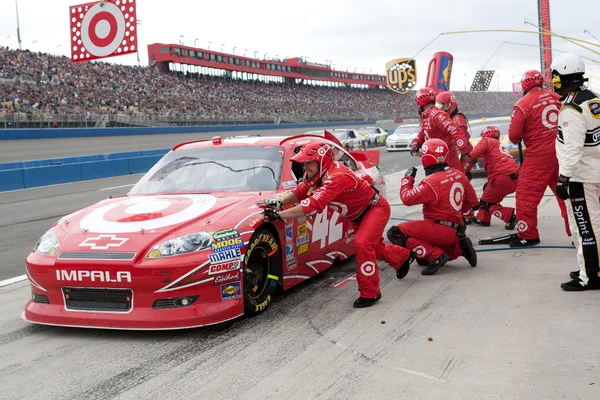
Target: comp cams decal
224,267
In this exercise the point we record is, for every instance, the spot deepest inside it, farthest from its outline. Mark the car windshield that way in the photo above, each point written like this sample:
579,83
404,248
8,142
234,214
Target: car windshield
214,169
340,134
406,130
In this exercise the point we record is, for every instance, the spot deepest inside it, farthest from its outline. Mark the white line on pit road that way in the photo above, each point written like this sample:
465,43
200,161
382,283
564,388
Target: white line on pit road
10,281
118,187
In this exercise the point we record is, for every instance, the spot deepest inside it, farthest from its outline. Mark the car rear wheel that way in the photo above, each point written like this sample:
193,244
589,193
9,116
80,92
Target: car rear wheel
262,271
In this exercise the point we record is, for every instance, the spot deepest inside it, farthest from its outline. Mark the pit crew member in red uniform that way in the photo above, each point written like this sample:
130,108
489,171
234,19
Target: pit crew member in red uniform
446,101
435,124
329,183
446,194
502,171
534,120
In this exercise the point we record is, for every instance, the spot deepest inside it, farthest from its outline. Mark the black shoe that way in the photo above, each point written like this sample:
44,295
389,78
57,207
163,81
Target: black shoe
403,270
524,242
479,222
433,266
468,252
576,286
469,220
422,263
362,302
574,274
512,222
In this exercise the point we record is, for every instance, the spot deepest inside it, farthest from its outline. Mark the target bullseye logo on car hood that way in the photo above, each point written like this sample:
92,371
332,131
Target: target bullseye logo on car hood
146,213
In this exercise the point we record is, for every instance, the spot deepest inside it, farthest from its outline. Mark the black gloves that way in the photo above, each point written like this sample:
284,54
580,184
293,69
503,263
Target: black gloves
412,171
271,215
562,187
274,203
414,149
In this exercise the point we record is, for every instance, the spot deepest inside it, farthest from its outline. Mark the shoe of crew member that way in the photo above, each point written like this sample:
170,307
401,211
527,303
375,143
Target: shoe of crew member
576,285
512,222
433,266
362,302
524,242
403,270
468,252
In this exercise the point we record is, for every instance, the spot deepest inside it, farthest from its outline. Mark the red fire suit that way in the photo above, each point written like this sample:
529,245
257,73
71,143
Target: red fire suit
463,136
445,196
534,120
436,124
502,171
369,213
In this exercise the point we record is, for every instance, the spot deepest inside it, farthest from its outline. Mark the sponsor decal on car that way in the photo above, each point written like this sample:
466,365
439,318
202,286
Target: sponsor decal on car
225,234
289,233
226,255
256,221
224,267
303,248
232,290
289,251
227,277
302,229
300,240
103,242
92,276
289,184
229,244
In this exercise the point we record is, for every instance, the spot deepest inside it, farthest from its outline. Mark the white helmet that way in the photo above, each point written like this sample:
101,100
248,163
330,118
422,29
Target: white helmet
567,64
567,69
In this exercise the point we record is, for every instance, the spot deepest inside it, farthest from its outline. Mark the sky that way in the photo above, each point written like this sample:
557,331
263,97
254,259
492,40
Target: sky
351,34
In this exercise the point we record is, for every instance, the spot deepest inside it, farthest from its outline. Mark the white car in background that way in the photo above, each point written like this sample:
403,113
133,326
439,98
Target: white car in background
402,137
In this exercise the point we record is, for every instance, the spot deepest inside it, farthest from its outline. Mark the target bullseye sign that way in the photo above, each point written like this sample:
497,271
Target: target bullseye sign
103,29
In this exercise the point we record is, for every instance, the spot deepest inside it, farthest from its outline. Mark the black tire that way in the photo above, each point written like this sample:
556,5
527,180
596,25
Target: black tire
262,271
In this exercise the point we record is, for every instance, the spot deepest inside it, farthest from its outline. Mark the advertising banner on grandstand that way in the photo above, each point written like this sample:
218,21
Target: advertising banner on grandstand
545,40
440,71
517,89
103,29
482,81
401,74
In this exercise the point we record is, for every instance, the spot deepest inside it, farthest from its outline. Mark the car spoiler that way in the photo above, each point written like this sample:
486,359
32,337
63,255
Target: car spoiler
366,155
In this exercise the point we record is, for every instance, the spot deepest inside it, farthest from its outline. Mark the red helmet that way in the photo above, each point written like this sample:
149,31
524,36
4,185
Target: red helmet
322,153
446,101
530,79
434,151
491,132
424,96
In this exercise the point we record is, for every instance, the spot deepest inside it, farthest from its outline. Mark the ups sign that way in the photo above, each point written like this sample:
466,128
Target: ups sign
401,74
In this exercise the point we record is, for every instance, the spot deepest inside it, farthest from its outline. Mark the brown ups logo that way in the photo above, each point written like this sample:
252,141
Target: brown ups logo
401,74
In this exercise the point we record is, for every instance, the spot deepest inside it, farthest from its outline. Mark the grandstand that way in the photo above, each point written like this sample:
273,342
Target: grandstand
199,87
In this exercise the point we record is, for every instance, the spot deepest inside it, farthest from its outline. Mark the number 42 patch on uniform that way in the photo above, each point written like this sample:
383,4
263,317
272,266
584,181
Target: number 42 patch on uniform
594,107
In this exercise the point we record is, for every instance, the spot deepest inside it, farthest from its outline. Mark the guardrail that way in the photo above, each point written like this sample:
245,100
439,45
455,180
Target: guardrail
36,173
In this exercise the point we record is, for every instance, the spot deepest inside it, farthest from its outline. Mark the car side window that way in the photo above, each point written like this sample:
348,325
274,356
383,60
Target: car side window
347,161
351,134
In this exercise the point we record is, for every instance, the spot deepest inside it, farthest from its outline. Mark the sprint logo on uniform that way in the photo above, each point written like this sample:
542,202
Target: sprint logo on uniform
222,256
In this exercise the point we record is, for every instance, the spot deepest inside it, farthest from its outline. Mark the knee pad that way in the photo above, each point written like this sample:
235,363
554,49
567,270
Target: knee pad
395,236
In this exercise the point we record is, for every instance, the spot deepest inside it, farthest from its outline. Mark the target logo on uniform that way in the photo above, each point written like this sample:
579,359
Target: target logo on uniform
550,116
146,213
420,251
497,214
456,196
368,268
522,226
103,29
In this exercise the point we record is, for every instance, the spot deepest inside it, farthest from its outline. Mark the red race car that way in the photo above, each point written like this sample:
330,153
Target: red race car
187,246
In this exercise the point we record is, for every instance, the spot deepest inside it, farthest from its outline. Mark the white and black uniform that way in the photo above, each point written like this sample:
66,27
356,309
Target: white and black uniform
578,153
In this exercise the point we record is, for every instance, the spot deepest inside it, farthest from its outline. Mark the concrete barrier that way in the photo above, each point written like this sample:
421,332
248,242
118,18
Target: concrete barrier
35,173
49,133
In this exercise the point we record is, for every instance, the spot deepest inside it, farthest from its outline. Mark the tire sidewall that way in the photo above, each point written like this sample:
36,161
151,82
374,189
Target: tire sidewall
263,239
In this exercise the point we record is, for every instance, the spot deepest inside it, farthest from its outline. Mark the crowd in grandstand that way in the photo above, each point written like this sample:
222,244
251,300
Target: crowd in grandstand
40,82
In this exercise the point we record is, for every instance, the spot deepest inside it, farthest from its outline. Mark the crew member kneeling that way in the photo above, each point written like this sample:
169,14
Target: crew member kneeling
446,194
329,183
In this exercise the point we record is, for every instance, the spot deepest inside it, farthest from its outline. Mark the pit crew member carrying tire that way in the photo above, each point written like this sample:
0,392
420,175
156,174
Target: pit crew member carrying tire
329,183
446,194
435,124
502,171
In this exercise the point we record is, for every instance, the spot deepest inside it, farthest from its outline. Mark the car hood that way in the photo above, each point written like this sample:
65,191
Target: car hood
394,136
133,222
